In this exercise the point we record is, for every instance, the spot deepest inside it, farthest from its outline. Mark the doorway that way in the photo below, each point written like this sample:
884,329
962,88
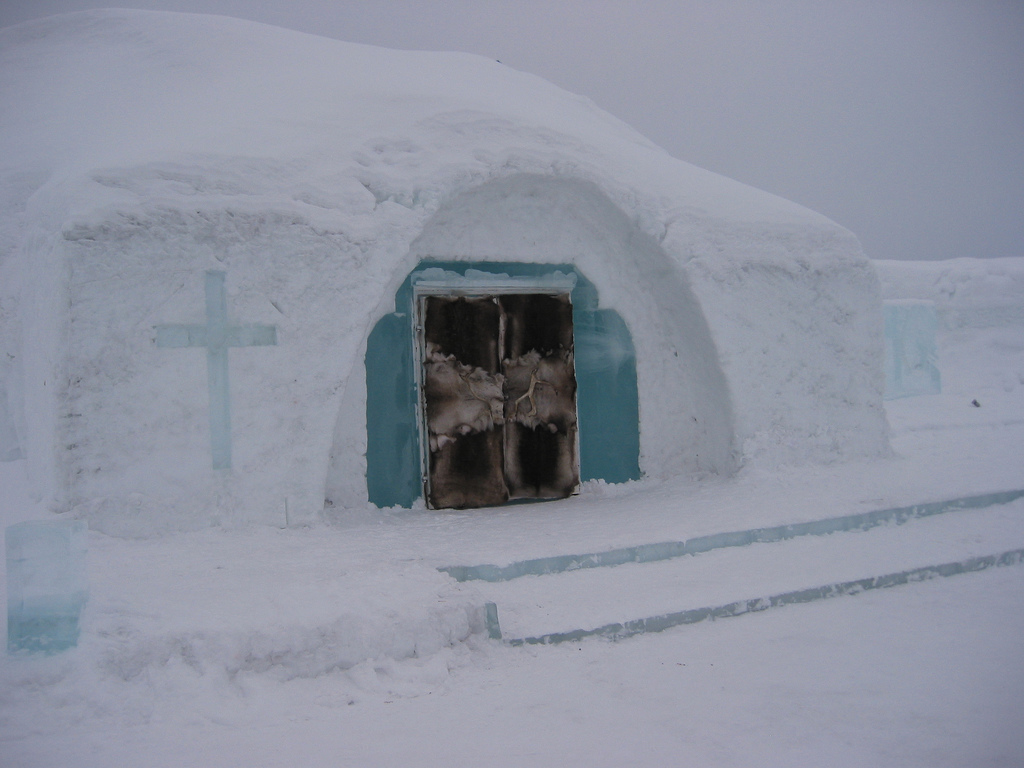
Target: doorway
497,397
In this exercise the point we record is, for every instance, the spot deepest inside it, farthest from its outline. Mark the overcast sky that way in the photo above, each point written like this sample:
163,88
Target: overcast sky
903,121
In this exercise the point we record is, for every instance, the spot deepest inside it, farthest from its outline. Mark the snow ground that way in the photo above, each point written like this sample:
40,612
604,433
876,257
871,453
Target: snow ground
342,645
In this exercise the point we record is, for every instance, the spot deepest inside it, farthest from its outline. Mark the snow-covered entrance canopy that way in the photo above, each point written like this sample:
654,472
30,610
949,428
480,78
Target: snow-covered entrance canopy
211,231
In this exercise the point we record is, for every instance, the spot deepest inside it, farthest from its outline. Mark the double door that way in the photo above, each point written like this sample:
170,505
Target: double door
498,398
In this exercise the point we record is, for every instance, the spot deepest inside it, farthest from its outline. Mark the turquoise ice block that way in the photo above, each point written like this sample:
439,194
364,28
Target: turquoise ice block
910,350
47,585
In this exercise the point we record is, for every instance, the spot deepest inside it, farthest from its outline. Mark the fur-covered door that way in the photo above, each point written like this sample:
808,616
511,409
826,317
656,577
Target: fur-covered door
499,399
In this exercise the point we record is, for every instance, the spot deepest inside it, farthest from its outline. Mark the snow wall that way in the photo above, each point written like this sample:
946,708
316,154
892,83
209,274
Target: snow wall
966,293
149,151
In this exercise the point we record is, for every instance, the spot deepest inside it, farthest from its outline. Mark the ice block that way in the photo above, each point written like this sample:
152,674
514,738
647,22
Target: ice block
47,585
910,352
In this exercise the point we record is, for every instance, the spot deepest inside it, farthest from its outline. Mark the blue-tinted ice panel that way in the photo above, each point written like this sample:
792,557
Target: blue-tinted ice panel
217,336
47,585
910,353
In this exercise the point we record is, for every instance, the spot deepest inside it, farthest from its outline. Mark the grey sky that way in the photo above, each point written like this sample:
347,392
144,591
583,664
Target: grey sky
903,121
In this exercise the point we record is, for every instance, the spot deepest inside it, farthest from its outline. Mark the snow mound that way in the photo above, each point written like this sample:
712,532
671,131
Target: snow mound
226,611
140,150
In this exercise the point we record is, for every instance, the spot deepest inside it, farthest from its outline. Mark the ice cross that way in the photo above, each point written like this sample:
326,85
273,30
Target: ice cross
217,336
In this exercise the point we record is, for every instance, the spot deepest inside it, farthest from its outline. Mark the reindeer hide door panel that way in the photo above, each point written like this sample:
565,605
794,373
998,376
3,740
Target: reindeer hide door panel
499,399
464,405
540,397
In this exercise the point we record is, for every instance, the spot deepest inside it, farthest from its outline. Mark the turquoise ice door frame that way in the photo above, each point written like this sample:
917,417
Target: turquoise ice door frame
606,395
556,284
217,336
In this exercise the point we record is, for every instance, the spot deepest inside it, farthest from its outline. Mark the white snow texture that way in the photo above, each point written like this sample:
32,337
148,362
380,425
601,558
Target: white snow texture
140,150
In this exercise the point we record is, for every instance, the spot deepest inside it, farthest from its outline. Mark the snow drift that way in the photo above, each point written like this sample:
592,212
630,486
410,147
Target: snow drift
142,150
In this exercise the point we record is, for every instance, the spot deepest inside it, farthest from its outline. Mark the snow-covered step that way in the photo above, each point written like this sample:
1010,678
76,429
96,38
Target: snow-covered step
534,606
645,553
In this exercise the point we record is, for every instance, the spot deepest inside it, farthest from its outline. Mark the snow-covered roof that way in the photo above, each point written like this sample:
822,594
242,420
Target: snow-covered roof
110,89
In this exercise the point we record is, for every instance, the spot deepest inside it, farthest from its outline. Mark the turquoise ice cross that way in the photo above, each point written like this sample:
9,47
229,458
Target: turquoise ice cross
217,336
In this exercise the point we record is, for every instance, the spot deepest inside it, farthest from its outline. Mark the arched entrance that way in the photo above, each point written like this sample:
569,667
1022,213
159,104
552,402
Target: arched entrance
499,381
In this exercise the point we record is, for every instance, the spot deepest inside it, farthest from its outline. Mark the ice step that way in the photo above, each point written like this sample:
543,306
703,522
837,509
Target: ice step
581,599
665,550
